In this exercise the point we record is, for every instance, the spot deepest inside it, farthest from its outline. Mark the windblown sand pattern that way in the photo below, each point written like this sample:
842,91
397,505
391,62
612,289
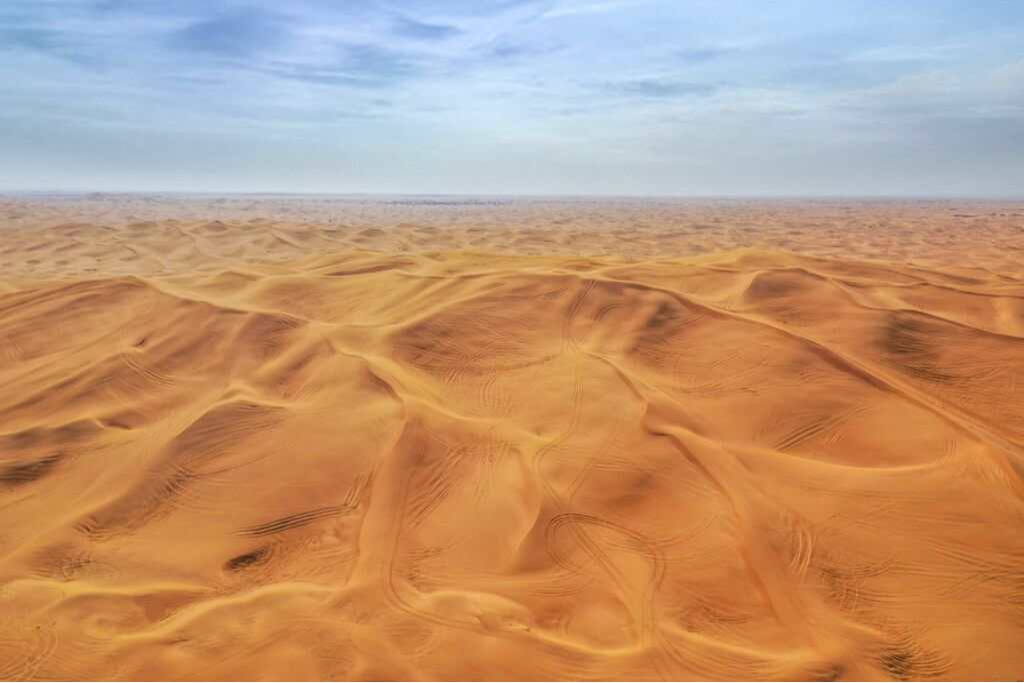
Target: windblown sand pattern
349,438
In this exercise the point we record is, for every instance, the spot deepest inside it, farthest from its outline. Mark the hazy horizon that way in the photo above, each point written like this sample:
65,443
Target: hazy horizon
213,193
594,98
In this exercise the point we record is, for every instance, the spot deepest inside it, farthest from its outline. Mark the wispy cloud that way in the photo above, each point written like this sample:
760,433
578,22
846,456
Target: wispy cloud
568,8
906,54
420,30
359,66
697,55
654,88
238,34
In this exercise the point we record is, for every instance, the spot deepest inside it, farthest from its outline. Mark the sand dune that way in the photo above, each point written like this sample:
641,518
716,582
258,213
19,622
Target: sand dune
360,439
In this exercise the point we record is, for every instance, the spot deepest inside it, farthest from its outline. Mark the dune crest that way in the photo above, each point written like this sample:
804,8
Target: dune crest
232,448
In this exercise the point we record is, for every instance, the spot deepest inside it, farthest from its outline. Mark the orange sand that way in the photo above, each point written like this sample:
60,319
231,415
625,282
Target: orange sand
322,438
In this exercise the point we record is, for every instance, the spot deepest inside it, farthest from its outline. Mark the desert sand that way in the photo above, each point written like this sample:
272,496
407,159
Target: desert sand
362,438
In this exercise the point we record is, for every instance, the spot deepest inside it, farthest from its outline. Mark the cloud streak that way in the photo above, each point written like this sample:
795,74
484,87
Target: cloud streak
652,88
420,30
238,34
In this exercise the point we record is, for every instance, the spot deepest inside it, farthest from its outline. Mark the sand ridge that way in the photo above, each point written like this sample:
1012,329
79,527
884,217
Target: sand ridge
238,448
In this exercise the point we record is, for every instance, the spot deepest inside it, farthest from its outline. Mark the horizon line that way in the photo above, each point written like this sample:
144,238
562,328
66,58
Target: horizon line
518,195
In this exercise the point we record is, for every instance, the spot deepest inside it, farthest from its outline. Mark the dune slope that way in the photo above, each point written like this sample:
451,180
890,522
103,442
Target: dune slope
353,464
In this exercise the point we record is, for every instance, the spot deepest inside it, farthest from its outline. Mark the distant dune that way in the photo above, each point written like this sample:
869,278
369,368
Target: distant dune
272,438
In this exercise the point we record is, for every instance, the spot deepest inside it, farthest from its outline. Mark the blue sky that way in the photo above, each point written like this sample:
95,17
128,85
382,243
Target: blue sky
665,97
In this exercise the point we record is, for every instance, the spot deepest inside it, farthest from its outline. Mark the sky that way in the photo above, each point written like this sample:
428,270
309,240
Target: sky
582,97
